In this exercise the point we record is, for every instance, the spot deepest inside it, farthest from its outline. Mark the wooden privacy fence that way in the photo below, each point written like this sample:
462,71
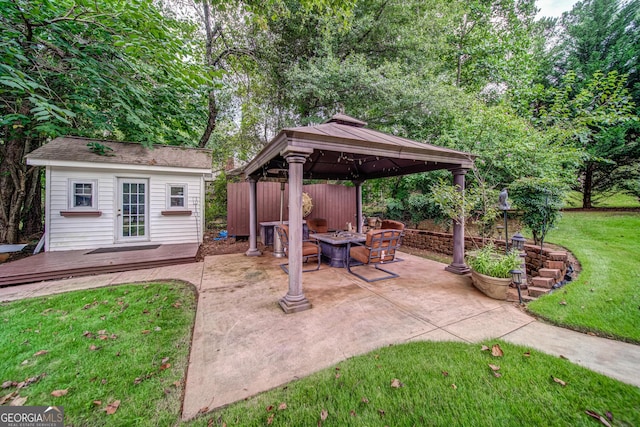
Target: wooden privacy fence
335,203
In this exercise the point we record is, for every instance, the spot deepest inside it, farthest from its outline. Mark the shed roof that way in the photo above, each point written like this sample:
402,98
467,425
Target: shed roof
71,149
343,148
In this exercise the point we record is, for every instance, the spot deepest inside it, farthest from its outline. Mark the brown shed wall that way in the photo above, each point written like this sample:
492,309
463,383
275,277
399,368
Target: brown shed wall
335,203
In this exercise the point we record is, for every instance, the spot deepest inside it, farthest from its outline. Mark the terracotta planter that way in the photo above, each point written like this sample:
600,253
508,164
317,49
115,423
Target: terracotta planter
493,287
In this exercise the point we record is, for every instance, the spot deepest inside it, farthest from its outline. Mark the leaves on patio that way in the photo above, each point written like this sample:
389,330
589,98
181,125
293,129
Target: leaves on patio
59,393
496,351
600,418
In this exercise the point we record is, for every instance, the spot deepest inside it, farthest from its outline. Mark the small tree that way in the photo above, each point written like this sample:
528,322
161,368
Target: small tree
540,200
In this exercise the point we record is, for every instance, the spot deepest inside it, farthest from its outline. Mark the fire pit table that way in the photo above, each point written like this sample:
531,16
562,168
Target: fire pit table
334,246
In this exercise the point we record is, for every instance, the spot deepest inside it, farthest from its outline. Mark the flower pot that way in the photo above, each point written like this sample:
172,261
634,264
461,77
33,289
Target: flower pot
493,287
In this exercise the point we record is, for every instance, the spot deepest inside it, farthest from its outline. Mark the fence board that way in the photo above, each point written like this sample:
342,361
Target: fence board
336,203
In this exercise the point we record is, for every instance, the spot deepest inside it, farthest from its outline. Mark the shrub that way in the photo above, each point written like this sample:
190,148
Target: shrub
490,262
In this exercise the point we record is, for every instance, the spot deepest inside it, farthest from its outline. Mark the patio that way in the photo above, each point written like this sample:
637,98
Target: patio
242,341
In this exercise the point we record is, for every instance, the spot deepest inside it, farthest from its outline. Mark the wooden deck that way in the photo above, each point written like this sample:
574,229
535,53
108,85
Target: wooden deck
58,265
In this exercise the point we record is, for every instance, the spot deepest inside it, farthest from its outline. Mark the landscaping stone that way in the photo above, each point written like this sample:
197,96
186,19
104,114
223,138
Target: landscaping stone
535,291
543,282
550,272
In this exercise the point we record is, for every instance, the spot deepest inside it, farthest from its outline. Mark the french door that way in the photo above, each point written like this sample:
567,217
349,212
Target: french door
133,210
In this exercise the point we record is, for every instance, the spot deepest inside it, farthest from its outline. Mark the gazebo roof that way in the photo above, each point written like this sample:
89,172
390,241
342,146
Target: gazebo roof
344,149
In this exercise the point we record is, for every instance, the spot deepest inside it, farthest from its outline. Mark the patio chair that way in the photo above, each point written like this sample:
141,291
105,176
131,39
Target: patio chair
379,248
310,249
317,225
389,224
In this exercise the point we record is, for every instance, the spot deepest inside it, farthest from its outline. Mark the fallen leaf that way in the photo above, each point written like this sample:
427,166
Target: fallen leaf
337,375
165,366
352,413
324,414
24,362
177,304
598,417
453,386
364,400
564,357
445,373
87,334
7,384
157,329
609,415
563,302
496,351
7,397
93,347
203,410
497,374
41,352
112,407
494,367
138,380
102,332
269,408
559,381
270,419
113,337
177,383
97,402
104,381
59,393
146,331
19,401
103,337
484,348
381,412
395,383
165,360
282,406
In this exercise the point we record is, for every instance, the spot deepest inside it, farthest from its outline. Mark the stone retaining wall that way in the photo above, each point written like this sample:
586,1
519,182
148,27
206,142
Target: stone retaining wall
443,243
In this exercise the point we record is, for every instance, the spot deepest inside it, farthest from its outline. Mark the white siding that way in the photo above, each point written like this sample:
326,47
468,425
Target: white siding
68,233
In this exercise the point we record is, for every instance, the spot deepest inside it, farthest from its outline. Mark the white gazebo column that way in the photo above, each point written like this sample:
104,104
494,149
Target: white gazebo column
358,185
253,218
458,266
295,300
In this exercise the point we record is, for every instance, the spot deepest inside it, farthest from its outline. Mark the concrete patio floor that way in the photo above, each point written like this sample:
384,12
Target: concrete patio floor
244,344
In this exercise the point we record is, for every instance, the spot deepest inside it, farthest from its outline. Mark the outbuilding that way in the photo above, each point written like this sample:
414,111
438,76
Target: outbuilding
107,194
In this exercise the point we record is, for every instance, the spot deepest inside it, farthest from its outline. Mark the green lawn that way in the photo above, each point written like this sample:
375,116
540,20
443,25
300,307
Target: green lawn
615,200
130,344
606,296
440,384
123,343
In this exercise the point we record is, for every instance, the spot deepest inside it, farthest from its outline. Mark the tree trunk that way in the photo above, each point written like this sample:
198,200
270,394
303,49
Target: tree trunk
32,219
211,121
588,186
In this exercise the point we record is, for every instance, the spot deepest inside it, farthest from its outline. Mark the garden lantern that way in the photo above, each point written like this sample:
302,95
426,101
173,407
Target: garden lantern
516,277
517,242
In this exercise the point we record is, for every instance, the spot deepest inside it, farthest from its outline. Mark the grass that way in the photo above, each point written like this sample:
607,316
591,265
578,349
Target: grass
128,343
605,298
436,383
440,384
600,200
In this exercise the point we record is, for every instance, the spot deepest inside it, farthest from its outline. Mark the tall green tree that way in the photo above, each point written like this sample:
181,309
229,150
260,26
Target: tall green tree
121,69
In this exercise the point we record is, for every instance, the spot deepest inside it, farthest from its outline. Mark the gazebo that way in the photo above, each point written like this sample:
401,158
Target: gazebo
343,149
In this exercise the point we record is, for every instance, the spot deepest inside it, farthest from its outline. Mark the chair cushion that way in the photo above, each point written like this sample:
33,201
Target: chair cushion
309,249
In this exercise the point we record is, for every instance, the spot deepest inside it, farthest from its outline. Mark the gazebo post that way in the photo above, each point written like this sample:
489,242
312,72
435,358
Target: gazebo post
358,185
253,218
295,301
458,266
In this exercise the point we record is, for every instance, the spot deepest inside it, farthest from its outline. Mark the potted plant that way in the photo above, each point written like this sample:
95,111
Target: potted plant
491,270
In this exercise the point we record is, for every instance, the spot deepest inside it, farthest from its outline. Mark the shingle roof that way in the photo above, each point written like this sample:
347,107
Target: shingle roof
75,149
342,148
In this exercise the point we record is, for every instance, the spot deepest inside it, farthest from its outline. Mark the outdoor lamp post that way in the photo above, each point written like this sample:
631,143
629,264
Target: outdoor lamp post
516,277
517,242
503,205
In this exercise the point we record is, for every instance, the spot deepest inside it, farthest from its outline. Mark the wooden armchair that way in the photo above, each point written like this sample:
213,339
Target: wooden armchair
379,248
389,224
310,249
